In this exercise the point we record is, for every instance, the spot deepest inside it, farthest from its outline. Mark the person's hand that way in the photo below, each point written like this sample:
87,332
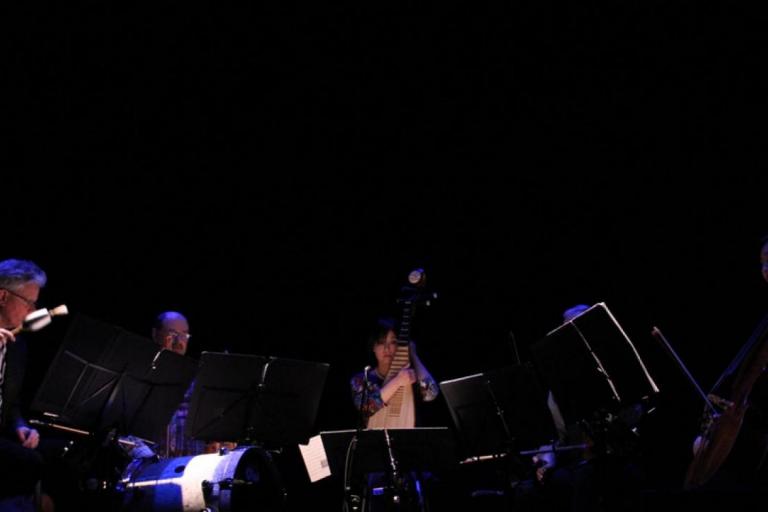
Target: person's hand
406,376
697,444
135,447
544,461
28,437
6,336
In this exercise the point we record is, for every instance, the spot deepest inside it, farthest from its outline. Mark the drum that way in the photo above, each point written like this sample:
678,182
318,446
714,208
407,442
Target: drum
243,479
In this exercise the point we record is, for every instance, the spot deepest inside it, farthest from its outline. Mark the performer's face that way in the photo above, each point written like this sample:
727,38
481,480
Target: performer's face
18,303
385,349
174,335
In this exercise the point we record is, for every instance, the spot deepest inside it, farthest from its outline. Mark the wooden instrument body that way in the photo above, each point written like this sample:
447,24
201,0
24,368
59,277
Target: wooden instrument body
722,431
400,411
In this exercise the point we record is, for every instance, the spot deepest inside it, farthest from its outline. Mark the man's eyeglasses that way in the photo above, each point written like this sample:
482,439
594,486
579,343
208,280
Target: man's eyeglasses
182,336
31,303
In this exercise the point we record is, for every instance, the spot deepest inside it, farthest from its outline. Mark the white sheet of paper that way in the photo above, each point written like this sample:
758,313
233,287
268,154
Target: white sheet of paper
315,459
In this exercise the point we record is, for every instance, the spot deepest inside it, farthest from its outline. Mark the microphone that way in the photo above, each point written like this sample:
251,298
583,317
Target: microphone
363,397
153,365
513,342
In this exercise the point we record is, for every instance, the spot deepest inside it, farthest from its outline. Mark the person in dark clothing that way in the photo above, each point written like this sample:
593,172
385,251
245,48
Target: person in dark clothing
739,397
375,393
20,464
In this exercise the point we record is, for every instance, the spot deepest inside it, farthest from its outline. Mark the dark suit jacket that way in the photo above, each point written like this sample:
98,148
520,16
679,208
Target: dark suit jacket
15,364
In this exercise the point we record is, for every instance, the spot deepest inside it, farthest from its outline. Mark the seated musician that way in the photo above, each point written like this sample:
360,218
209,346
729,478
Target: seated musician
731,454
21,464
575,473
171,331
371,391
377,389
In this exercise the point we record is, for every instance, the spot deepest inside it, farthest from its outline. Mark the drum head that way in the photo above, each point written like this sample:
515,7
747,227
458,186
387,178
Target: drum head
255,483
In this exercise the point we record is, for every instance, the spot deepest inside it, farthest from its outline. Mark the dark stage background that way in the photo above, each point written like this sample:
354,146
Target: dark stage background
275,174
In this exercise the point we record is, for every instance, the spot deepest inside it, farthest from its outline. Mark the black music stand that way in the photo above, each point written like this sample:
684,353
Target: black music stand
591,365
414,449
247,398
499,412
104,377
393,453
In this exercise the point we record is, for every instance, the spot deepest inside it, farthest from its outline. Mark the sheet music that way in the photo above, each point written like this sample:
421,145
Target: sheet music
315,459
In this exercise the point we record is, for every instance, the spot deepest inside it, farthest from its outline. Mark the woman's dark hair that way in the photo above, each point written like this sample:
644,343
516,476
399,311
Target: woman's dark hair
380,329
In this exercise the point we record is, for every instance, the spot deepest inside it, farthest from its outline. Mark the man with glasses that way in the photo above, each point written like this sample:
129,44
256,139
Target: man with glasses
20,464
171,331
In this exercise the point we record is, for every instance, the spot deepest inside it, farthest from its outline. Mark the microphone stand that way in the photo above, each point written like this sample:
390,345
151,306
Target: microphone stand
500,414
514,464
363,397
396,480
352,501
255,397
513,342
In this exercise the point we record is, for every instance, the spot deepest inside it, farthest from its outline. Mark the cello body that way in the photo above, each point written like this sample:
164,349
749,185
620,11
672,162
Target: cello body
722,430
715,446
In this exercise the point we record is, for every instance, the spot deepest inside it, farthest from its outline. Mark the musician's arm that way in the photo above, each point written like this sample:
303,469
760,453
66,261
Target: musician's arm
427,385
544,461
14,376
371,395
405,377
